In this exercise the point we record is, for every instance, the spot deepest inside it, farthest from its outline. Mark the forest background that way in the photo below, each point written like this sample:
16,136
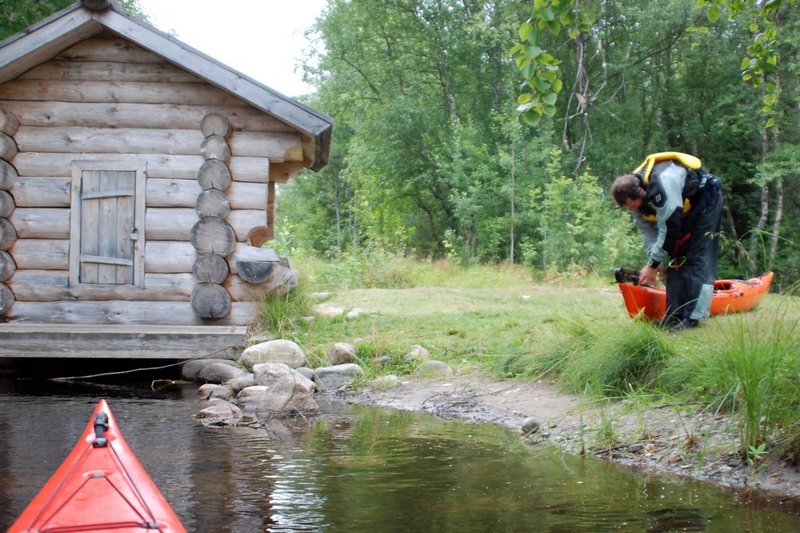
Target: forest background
490,130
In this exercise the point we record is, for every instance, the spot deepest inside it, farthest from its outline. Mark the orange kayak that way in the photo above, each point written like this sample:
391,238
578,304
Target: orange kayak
100,486
730,296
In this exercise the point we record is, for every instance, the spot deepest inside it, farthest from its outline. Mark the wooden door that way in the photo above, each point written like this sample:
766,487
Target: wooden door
107,224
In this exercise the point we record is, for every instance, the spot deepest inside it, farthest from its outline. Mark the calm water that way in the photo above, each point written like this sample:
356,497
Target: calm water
353,469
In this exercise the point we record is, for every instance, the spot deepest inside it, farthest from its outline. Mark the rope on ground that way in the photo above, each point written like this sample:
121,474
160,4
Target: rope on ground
142,369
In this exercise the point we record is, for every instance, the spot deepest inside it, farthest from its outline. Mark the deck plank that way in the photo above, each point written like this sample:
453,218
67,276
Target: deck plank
119,341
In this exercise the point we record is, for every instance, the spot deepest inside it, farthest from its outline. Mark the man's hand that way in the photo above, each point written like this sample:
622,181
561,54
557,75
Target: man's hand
648,276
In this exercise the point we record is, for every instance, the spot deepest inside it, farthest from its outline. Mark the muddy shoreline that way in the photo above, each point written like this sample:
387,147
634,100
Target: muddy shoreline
679,441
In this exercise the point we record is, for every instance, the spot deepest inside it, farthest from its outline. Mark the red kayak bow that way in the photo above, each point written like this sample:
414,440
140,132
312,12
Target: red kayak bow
100,486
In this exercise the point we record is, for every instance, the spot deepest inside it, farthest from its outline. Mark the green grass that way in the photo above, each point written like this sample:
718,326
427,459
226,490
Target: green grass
500,320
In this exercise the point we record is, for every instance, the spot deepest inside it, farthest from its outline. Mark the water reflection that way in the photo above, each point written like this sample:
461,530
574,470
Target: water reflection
354,469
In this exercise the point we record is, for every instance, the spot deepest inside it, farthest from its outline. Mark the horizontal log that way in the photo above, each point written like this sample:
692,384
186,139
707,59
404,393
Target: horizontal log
179,256
41,254
169,257
184,193
248,169
122,312
111,91
275,146
8,175
110,70
42,192
55,192
157,116
162,257
53,286
41,223
109,49
244,220
169,224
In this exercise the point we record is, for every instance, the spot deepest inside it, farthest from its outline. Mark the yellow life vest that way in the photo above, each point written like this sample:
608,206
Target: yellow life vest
686,160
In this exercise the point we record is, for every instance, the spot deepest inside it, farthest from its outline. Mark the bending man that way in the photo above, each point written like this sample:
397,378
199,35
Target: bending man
677,207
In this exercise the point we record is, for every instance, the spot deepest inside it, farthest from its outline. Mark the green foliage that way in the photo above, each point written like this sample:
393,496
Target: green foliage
762,19
539,68
579,227
19,14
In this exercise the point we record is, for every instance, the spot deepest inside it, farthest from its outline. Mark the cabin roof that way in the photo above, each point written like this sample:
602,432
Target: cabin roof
83,19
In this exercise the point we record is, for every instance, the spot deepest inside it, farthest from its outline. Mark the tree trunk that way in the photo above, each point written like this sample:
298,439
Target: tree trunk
511,230
776,225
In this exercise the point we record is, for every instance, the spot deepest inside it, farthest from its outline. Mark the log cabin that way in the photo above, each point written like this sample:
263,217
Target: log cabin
137,189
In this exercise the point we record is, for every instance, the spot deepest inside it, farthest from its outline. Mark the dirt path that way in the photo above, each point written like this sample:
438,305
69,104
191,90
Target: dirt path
677,441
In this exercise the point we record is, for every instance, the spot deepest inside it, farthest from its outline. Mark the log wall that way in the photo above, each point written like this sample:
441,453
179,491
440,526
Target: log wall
107,99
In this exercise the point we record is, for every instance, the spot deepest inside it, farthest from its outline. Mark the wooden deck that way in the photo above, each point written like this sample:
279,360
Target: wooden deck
119,341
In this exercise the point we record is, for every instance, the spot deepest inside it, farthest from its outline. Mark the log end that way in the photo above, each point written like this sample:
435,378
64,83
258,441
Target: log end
6,299
255,271
210,300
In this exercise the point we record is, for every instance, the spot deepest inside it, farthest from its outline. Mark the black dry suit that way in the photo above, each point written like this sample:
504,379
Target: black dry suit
679,221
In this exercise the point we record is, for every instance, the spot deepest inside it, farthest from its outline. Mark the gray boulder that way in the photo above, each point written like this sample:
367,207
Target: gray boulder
210,390
336,377
307,372
219,373
418,353
341,353
220,412
279,389
275,351
191,368
240,382
434,368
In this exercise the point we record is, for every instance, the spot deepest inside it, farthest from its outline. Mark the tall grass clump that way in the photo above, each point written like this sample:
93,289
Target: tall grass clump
568,338
620,360
754,372
281,315
595,359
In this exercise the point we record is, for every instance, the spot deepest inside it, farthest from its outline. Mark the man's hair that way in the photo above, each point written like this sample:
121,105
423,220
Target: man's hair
624,187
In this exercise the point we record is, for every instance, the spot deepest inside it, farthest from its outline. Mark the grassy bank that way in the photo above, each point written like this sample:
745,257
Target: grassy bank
571,330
